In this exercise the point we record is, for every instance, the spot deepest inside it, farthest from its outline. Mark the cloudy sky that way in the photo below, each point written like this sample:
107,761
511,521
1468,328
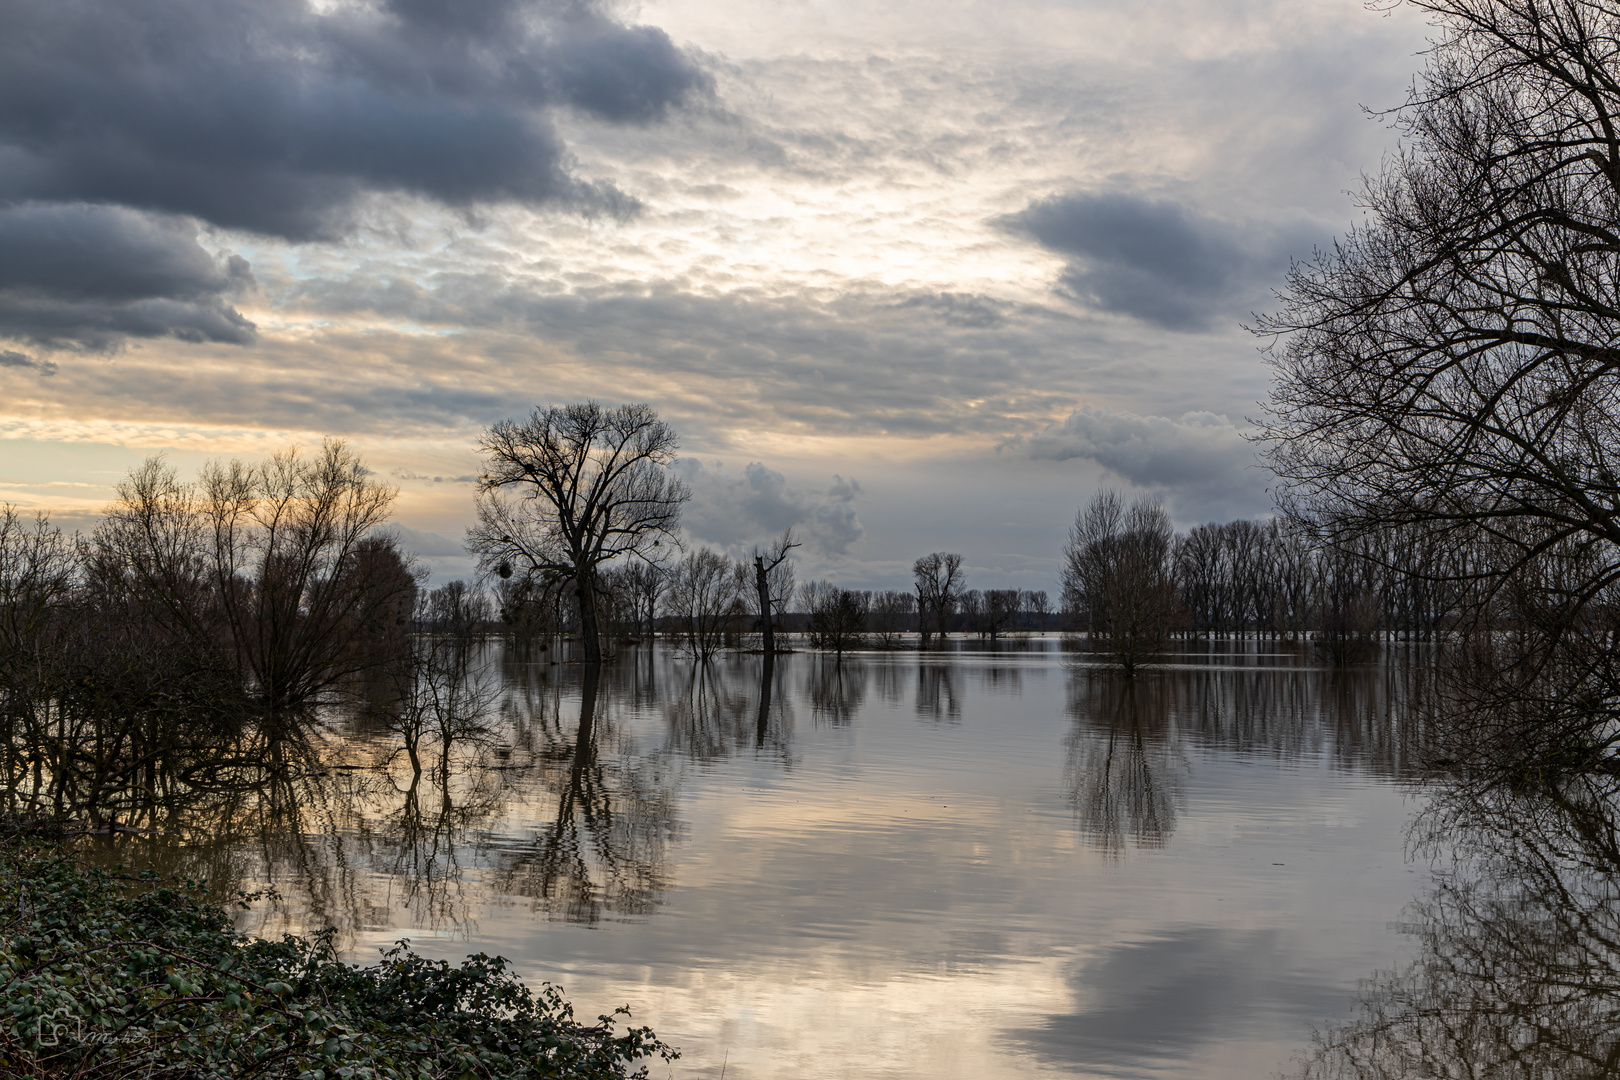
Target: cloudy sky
907,276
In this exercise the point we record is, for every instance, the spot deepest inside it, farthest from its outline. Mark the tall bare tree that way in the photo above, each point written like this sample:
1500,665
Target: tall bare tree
1452,365
1117,582
571,489
938,581
704,590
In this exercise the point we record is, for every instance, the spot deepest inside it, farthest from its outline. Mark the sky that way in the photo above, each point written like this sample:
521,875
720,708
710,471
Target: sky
906,277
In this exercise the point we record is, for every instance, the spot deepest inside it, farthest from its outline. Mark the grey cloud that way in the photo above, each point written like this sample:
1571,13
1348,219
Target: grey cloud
1200,462
13,359
1149,451
861,362
269,116
627,74
1164,997
836,528
88,276
1154,259
738,511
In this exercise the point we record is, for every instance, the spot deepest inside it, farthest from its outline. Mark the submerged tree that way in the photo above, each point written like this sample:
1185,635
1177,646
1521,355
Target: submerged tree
275,568
837,617
572,489
705,589
892,614
1117,582
938,581
773,587
192,639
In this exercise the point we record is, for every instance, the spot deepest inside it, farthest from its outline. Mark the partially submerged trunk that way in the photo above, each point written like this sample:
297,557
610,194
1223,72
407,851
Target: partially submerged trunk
762,586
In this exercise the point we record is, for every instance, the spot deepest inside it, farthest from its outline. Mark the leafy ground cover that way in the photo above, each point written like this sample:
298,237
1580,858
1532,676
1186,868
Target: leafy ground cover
104,976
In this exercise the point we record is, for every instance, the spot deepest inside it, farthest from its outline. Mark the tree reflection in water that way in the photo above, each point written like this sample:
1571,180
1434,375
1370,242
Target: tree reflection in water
350,837
1125,755
835,689
1124,767
602,852
938,696
721,711
1518,968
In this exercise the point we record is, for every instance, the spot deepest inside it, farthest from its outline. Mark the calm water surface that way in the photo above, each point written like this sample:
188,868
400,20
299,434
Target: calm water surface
976,864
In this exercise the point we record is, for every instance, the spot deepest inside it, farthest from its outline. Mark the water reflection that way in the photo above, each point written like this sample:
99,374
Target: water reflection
1124,764
779,838
603,851
938,697
835,689
1518,972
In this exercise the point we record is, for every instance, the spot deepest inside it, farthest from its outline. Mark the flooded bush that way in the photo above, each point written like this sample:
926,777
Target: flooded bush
197,632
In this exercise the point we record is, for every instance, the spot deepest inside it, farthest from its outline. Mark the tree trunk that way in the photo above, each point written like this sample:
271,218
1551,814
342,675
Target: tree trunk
585,737
762,586
590,640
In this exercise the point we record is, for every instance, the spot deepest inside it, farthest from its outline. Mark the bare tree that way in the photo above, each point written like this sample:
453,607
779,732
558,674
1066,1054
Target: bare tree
971,606
571,489
938,581
644,583
1036,606
1000,608
773,587
704,587
838,618
1451,367
442,693
1117,582
892,614
281,560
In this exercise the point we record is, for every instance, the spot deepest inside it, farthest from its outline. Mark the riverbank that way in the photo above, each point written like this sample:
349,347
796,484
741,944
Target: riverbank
106,974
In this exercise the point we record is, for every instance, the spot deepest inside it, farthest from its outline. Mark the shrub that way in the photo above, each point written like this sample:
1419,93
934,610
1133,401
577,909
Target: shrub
105,975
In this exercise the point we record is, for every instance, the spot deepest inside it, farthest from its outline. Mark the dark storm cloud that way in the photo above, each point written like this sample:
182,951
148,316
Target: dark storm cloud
1159,1000
87,276
264,115
1154,259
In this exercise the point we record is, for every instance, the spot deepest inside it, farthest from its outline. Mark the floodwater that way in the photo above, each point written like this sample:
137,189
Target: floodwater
980,863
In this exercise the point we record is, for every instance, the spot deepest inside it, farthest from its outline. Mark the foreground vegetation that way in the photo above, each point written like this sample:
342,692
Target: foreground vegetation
109,976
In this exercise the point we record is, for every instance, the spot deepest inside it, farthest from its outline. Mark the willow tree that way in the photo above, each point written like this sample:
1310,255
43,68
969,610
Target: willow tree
572,489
